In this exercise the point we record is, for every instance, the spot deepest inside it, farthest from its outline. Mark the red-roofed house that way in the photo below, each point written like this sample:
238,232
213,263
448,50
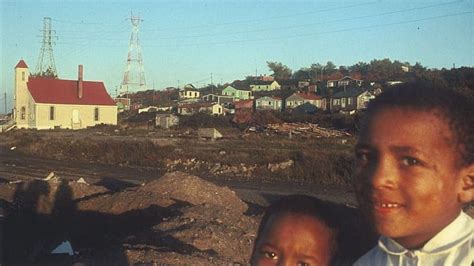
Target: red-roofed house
297,99
46,103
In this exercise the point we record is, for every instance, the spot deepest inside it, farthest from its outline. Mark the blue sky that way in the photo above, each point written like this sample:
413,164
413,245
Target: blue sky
189,40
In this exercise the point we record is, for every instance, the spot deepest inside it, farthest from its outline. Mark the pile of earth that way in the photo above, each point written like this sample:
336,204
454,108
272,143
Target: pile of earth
176,219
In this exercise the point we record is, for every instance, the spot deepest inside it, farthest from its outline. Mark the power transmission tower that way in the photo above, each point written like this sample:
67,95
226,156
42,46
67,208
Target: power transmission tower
134,75
45,63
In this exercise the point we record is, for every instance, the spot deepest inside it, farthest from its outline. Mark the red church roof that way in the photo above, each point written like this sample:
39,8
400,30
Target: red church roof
21,64
59,91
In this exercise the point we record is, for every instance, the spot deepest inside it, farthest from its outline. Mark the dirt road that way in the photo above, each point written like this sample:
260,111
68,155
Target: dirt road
16,166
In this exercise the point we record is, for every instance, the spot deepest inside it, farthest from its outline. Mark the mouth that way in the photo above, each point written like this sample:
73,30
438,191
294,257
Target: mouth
387,205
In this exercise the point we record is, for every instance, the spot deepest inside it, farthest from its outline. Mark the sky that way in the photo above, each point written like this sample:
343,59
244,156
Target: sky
185,41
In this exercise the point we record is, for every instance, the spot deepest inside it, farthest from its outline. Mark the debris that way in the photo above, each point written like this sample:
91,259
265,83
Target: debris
12,148
303,129
209,133
82,181
49,177
280,166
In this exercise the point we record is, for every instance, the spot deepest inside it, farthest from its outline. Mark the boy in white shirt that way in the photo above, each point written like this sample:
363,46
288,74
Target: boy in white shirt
415,171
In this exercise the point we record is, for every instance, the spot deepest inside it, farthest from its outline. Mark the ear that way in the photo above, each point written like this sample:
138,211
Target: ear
466,191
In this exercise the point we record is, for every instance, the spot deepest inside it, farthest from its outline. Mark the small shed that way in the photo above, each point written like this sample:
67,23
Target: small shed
209,133
166,120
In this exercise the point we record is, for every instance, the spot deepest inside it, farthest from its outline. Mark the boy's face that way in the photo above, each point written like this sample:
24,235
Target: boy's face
408,175
294,239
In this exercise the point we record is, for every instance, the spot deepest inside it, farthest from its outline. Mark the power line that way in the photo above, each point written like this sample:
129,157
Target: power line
311,24
319,33
264,19
291,26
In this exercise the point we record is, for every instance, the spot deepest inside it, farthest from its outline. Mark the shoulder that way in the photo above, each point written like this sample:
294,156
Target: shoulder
375,256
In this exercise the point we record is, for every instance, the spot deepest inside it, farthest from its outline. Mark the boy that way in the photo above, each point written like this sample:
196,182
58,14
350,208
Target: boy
302,230
415,170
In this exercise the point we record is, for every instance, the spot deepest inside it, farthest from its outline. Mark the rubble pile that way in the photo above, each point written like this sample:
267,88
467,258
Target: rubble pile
305,129
194,165
175,219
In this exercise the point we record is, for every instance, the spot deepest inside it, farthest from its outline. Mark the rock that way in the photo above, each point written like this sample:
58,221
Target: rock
273,167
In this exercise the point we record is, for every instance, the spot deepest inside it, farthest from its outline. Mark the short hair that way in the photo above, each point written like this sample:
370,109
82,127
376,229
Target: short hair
456,109
352,239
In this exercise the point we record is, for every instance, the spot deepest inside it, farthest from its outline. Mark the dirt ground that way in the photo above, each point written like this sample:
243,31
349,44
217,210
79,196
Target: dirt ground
176,201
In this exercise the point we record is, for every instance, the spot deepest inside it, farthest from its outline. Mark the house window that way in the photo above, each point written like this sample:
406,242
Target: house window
23,75
96,114
349,100
336,102
23,113
51,113
343,100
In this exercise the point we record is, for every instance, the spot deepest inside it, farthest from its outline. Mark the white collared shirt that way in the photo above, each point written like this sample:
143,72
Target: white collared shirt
451,246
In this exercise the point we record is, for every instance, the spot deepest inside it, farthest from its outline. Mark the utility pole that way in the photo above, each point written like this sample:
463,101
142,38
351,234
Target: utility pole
46,59
212,85
5,97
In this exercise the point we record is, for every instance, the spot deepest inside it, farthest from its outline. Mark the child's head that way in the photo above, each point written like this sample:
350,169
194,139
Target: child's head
296,230
415,161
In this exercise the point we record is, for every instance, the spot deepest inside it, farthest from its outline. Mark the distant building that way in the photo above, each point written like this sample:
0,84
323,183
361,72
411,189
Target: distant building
262,85
268,103
220,99
189,92
194,108
238,94
350,99
297,99
123,104
344,82
46,103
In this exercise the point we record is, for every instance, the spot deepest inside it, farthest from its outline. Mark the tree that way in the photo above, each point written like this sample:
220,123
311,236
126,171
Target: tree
303,73
48,73
279,70
330,68
360,67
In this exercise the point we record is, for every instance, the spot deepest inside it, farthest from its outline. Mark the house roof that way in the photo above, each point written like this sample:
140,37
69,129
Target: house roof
307,96
60,91
288,82
21,64
267,98
349,92
350,78
232,87
261,82
306,108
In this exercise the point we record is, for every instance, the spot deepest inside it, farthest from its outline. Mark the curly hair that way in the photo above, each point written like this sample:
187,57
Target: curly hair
455,108
353,237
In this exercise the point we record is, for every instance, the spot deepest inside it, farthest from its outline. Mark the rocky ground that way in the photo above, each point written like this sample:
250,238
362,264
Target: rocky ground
115,212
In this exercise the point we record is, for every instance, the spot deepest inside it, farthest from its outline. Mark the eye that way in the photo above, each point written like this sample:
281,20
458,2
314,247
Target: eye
270,254
410,161
364,157
302,263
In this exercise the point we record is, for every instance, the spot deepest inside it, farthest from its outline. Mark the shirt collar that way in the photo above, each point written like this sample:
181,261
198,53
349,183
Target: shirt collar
450,237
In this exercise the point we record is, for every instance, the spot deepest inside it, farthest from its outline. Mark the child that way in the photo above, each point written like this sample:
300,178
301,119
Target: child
415,170
302,230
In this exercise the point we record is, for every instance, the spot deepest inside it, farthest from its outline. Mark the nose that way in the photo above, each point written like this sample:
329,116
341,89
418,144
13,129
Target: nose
384,174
